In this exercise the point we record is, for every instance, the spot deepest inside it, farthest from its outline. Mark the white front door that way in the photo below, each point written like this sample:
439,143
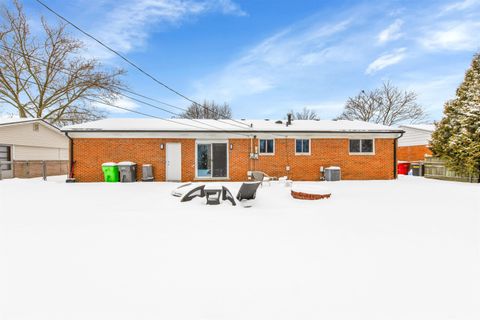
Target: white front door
173,162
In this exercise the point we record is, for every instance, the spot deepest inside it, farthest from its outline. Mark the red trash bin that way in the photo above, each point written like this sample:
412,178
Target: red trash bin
403,168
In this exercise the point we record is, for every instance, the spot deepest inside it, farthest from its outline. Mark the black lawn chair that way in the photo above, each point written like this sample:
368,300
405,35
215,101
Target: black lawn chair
195,192
227,195
178,192
248,190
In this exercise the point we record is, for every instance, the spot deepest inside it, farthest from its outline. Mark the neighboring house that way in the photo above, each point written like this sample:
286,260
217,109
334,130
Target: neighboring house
414,144
27,146
187,150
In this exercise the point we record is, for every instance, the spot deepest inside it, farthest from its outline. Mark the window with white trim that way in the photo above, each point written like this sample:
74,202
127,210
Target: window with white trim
302,146
361,146
267,146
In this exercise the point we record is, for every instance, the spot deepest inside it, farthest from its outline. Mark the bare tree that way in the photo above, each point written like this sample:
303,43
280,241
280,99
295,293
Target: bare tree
44,76
208,110
305,114
387,105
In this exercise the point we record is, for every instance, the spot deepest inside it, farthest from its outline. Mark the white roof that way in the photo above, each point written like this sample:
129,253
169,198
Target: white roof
425,127
7,121
11,120
208,125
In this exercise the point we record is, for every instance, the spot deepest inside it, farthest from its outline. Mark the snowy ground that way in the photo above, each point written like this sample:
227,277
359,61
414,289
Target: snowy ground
406,249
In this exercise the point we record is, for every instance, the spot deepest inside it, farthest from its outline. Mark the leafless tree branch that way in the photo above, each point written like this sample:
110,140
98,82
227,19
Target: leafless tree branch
45,76
387,105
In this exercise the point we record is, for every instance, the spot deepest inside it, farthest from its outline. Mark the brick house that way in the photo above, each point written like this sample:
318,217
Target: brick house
28,146
414,144
188,150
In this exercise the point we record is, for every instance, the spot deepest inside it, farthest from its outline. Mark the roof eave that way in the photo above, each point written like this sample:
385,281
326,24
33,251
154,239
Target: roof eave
237,131
31,121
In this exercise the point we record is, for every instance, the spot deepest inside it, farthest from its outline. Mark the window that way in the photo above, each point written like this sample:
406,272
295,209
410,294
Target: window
361,146
302,146
267,146
6,156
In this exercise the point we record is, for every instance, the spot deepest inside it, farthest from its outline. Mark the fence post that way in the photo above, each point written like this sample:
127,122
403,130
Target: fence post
44,170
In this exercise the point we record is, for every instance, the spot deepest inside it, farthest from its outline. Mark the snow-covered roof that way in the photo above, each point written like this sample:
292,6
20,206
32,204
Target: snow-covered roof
12,120
208,125
425,127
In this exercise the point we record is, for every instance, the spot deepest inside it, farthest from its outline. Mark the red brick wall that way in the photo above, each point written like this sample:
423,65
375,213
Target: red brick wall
328,152
413,153
89,154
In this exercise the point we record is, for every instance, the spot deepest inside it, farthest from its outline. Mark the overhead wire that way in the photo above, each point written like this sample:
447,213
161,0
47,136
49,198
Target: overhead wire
130,62
120,88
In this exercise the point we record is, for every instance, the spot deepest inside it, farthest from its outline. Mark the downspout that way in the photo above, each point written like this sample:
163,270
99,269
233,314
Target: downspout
287,158
395,144
252,146
70,151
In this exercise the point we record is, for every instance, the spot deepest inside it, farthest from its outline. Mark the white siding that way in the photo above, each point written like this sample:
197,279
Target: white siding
24,135
39,153
414,137
45,144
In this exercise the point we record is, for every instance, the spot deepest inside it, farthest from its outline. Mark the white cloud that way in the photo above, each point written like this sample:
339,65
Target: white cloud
433,91
121,102
455,36
392,32
274,60
128,23
386,60
461,5
228,7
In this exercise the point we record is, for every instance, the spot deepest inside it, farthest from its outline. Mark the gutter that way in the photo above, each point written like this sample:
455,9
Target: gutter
70,151
236,131
395,145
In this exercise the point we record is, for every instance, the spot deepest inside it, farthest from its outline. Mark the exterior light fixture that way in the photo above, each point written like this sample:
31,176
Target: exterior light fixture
231,146
161,146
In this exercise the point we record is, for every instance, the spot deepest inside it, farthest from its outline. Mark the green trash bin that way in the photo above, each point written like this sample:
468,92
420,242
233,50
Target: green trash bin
110,172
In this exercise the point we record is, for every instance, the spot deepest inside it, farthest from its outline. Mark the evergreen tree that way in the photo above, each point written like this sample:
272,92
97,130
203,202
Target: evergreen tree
457,136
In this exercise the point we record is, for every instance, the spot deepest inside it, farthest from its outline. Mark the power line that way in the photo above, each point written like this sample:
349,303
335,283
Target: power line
125,58
145,114
121,108
66,71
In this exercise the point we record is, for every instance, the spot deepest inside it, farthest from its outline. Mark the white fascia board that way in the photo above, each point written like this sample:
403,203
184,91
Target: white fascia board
223,135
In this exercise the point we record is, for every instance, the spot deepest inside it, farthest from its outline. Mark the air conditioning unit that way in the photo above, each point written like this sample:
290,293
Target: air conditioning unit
333,174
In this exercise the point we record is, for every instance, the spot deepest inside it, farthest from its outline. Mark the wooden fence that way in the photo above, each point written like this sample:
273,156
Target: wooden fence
38,168
435,169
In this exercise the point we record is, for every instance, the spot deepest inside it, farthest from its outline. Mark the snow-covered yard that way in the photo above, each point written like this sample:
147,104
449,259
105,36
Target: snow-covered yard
406,249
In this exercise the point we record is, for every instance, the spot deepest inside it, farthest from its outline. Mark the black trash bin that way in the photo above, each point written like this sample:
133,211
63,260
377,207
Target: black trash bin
417,169
128,171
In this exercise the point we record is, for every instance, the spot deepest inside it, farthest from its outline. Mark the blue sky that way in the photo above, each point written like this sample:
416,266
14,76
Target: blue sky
265,57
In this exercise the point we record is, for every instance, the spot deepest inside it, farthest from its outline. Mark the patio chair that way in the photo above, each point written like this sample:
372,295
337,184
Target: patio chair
195,192
181,189
248,190
227,195
261,176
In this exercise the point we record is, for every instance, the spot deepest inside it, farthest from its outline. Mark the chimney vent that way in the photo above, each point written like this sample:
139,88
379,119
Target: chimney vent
289,119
